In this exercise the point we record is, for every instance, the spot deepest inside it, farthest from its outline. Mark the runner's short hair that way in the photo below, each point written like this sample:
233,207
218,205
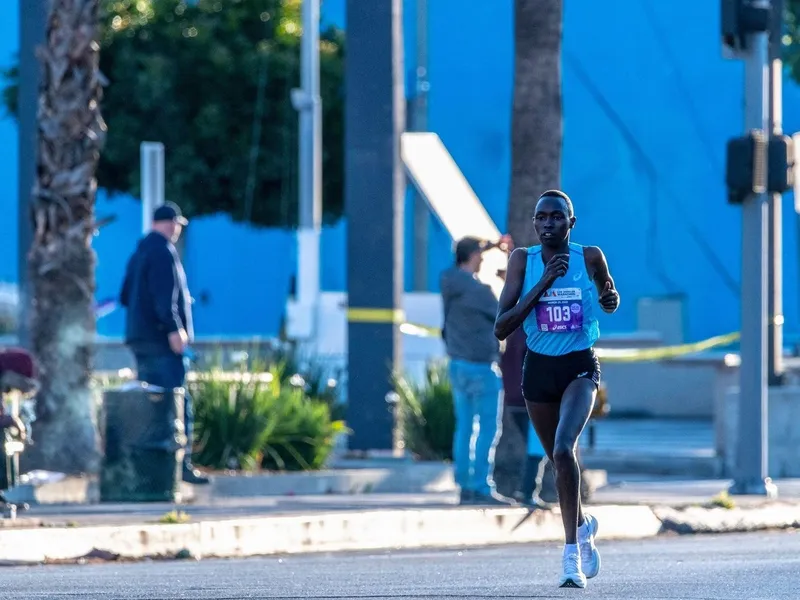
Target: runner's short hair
563,196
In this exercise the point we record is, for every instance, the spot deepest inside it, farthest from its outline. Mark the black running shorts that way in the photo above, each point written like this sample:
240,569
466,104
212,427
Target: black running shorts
545,378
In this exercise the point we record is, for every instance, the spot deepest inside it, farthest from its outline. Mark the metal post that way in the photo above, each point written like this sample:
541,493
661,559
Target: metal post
420,123
374,201
151,157
751,475
775,271
32,23
308,103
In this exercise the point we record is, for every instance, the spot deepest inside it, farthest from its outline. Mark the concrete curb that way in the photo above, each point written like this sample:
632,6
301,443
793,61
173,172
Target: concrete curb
368,530
325,532
695,520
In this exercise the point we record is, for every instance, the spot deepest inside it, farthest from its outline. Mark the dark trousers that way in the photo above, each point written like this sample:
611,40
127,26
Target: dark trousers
169,371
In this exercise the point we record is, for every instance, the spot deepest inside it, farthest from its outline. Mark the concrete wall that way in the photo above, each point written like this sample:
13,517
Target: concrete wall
783,427
678,388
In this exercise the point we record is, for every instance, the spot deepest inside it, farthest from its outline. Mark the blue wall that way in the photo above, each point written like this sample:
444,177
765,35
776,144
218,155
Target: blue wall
646,119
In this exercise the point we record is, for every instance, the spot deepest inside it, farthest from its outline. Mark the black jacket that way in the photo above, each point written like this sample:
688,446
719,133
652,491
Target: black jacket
156,296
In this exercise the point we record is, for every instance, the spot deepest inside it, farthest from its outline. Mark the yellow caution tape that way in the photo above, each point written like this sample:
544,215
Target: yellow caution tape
397,316
375,315
613,354
662,352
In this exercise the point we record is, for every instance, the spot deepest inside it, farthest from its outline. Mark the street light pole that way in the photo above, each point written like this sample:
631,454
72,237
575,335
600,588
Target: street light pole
775,210
308,102
745,28
32,22
420,123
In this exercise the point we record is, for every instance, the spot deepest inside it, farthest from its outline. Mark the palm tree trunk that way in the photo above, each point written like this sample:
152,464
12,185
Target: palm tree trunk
536,120
61,259
535,164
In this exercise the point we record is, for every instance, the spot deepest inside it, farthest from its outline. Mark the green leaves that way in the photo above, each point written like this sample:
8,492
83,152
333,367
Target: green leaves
187,74
254,420
426,413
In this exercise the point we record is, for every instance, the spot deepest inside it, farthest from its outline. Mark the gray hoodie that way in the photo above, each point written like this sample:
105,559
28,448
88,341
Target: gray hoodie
470,309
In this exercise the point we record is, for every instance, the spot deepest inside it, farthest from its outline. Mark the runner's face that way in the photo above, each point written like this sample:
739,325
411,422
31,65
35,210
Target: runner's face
551,220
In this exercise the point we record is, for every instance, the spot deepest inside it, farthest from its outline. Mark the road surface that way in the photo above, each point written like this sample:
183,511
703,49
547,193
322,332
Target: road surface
755,567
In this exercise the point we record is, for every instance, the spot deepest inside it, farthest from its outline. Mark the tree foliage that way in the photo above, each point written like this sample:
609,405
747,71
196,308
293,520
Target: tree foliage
791,38
212,80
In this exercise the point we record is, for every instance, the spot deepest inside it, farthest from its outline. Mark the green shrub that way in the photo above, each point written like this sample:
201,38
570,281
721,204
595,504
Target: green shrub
257,420
232,420
316,380
303,434
426,414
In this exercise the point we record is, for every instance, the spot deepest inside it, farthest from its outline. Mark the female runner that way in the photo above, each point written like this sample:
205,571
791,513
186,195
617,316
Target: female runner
551,290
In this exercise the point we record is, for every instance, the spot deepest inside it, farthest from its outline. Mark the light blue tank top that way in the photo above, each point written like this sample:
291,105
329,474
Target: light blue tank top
564,320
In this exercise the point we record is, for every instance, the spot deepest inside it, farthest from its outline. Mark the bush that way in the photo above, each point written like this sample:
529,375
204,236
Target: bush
251,420
317,381
426,413
302,436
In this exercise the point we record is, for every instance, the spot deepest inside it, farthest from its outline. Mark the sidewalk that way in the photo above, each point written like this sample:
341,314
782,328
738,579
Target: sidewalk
627,492
238,527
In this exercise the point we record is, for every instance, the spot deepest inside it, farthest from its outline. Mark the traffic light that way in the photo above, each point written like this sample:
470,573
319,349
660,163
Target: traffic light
740,18
746,166
781,174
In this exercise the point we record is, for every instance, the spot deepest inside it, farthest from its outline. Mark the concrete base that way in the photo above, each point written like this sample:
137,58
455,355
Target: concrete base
783,431
70,490
754,487
398,479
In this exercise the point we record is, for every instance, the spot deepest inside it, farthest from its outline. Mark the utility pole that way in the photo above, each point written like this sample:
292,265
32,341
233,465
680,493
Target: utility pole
151,158
308,102
745,29
775,233
420,123
375,119
32,22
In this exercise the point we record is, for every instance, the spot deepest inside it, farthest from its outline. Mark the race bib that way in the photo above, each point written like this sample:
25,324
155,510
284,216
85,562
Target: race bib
560,310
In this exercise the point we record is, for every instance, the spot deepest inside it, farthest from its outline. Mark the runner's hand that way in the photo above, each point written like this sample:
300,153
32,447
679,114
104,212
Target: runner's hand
609,299
555,268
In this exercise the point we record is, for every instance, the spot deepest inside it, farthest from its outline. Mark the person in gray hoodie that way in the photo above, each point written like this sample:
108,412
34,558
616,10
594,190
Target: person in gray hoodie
470,309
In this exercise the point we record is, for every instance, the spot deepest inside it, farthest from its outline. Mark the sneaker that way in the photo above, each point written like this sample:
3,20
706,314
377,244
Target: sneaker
572,576
590,557
194,477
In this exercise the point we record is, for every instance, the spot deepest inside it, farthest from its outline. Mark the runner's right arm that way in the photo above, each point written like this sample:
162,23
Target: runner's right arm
511,310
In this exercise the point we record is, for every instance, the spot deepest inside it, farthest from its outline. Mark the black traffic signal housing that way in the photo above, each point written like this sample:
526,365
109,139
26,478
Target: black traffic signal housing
739,18
746,166
781,161
756,165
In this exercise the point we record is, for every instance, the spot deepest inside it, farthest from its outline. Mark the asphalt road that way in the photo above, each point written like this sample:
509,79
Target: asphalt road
730,567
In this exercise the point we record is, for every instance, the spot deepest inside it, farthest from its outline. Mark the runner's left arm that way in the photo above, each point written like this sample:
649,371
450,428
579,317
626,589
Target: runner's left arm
608,294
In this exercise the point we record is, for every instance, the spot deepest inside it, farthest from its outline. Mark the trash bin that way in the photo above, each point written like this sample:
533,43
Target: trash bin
144,442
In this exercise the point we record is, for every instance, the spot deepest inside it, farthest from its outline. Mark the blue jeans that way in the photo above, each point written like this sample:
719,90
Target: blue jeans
477,392
169,371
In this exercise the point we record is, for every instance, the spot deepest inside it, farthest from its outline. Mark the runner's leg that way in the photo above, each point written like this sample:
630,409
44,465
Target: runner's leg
575,409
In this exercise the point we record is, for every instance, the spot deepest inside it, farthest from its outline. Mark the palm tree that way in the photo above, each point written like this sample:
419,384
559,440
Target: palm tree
61,261
536,118
535,161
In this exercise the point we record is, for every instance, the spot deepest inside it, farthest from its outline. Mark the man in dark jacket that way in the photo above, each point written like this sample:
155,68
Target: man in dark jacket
158,324
470,309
